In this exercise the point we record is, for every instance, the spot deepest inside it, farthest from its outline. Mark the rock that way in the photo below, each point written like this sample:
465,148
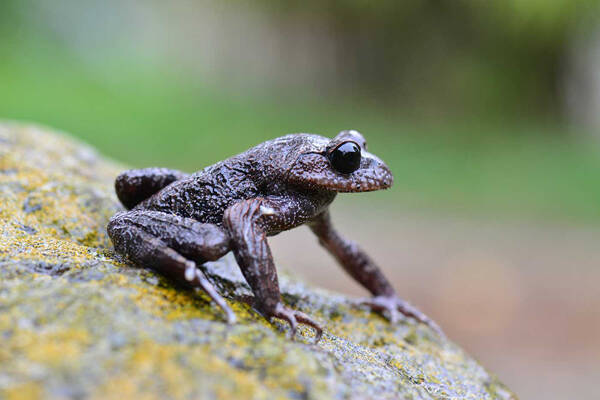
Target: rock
78,321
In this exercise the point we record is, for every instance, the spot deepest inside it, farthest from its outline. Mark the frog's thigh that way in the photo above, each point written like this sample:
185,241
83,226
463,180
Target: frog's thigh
136,185
192,239
160,241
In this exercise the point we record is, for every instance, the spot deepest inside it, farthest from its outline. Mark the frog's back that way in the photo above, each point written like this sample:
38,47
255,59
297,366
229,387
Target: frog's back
206,194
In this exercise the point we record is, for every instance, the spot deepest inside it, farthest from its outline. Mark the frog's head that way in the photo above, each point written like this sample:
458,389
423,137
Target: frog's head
341,164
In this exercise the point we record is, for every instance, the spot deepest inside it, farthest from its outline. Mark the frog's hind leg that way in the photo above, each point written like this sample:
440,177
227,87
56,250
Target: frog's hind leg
136,185
172,246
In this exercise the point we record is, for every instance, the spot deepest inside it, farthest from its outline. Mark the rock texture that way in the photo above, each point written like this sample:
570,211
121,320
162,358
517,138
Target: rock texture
78,321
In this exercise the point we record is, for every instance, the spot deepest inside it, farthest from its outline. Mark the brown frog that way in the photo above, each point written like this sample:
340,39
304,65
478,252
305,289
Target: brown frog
176,221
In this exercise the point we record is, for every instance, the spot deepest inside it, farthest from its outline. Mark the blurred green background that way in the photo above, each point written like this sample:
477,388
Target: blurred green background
462,99
485,111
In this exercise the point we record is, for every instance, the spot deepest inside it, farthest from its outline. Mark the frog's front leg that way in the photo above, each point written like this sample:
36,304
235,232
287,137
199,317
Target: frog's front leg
360,266
248,223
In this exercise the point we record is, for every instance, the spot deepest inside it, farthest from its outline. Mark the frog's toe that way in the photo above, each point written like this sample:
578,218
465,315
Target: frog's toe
293,317
306,320
197,277
392,306
288,316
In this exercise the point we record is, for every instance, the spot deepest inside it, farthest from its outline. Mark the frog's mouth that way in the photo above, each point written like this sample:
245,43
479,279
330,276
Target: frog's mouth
314,171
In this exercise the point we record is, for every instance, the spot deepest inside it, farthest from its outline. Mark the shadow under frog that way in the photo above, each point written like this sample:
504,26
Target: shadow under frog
176,221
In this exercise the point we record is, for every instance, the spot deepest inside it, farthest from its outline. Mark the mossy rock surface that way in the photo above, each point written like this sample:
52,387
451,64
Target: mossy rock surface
78,321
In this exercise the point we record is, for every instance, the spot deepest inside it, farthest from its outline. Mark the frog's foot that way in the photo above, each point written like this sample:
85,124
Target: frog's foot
293,317
393,306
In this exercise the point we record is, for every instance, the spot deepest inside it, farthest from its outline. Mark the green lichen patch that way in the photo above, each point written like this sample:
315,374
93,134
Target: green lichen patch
78,321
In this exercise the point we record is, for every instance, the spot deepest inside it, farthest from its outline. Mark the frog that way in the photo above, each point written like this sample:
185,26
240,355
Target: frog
174,221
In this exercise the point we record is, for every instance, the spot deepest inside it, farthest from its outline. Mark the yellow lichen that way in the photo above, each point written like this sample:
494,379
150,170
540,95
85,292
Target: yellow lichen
54,348
27,391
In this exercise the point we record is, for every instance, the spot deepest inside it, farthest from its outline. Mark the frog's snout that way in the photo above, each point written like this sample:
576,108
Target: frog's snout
373,174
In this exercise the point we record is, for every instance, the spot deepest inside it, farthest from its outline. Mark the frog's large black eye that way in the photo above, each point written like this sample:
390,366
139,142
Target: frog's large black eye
345,158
